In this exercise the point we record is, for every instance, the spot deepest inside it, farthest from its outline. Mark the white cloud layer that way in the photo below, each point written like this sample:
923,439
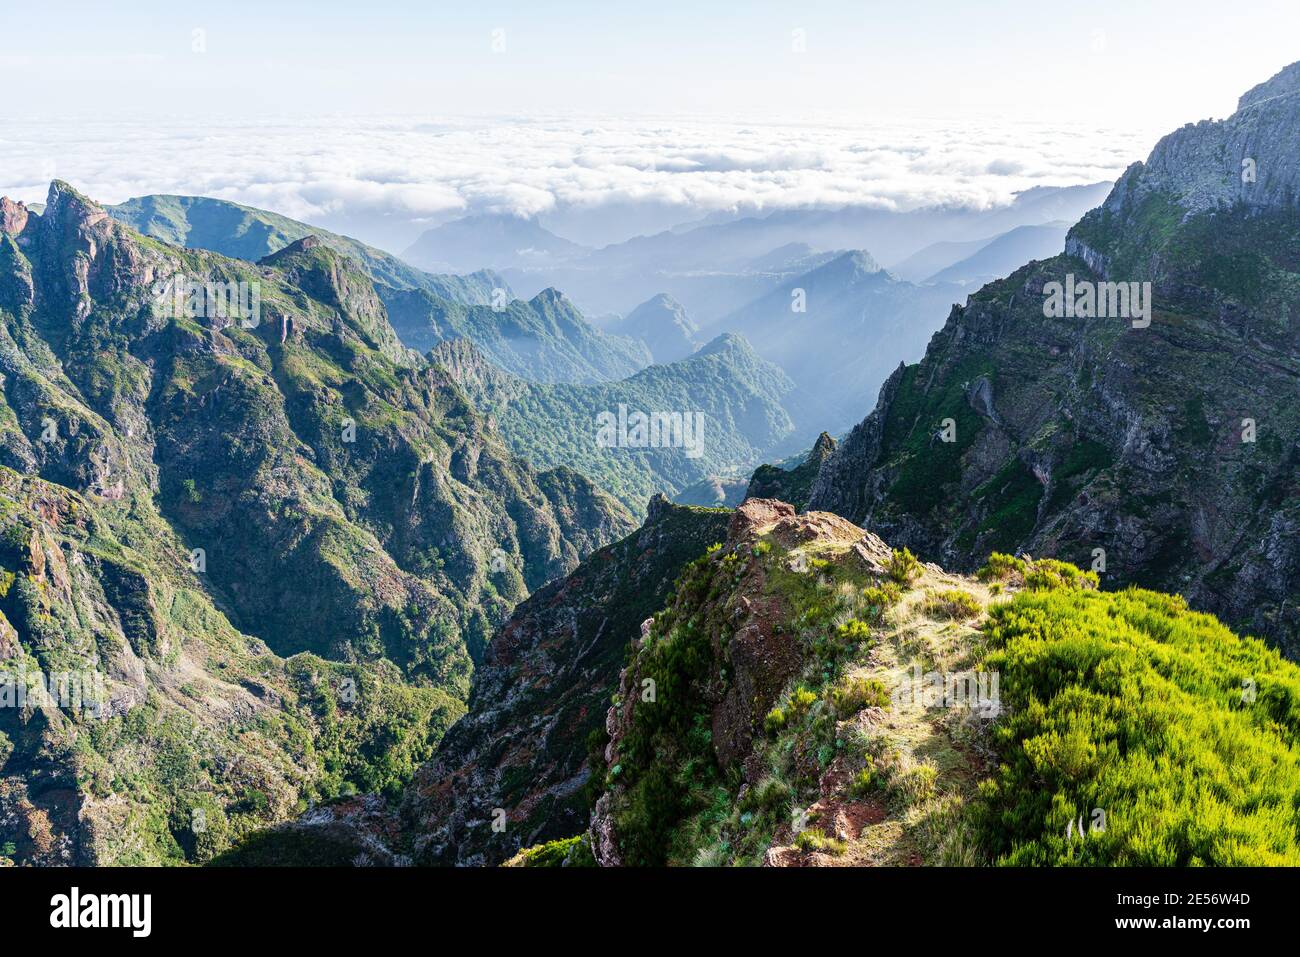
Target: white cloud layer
388,178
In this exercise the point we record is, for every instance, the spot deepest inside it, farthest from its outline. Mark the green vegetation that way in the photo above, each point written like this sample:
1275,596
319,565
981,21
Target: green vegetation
903,566
951,603
1181,733
738,395
568,852
1174,740
815,839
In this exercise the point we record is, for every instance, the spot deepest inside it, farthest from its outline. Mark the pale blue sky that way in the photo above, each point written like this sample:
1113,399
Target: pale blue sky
1161,62
607,118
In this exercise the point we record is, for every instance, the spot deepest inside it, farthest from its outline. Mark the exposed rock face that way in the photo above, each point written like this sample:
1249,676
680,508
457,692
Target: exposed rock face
1252,157
540,692
186,497
1166,455
13,216
792,485
748,655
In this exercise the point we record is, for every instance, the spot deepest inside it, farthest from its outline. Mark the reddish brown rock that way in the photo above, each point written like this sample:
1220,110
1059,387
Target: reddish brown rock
13,216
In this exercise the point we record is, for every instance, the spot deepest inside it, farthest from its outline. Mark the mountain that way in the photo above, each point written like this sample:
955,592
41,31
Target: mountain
242,232
544,339
1165,452
1005,254
808,696
721,411
662,324
936,257
272,537
540,697
838,331
716,267
496,241
792,485
715,491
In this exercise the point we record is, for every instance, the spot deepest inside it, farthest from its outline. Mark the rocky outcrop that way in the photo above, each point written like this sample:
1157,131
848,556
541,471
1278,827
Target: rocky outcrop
1163,455
519,757
734,651
13,216
1252,157
792,485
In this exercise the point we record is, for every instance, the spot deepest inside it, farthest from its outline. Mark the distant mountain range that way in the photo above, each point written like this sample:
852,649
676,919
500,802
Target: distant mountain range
838,331
1159,442
734,398
714,268
545,338
243,232
982,261
508,242
542,340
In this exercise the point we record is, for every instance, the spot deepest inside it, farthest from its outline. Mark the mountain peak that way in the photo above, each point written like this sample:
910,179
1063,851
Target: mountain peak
822,449
1284,83
294,248
1248,158
856,262
727,342
65,206
13,216
550,297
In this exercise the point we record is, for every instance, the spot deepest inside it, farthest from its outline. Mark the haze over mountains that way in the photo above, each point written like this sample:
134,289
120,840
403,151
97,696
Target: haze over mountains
383,556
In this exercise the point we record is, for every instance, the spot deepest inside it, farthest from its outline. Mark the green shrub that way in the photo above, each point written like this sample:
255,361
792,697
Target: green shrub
853,694
867,781
903,566
568,852
774,721
952,603
1129,703
879,597
814,839
1049,573
1001,567
800,701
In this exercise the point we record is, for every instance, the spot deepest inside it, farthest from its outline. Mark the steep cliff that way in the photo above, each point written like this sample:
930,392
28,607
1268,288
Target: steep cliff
809,696
255,468
1159,449
541,693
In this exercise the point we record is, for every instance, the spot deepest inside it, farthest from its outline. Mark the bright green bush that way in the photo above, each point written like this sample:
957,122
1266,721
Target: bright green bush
1049,573
879,597
815,839
903,566
1001,567
1181,733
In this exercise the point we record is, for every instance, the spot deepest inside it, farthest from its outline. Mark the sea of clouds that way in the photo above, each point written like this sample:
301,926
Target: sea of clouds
385,179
